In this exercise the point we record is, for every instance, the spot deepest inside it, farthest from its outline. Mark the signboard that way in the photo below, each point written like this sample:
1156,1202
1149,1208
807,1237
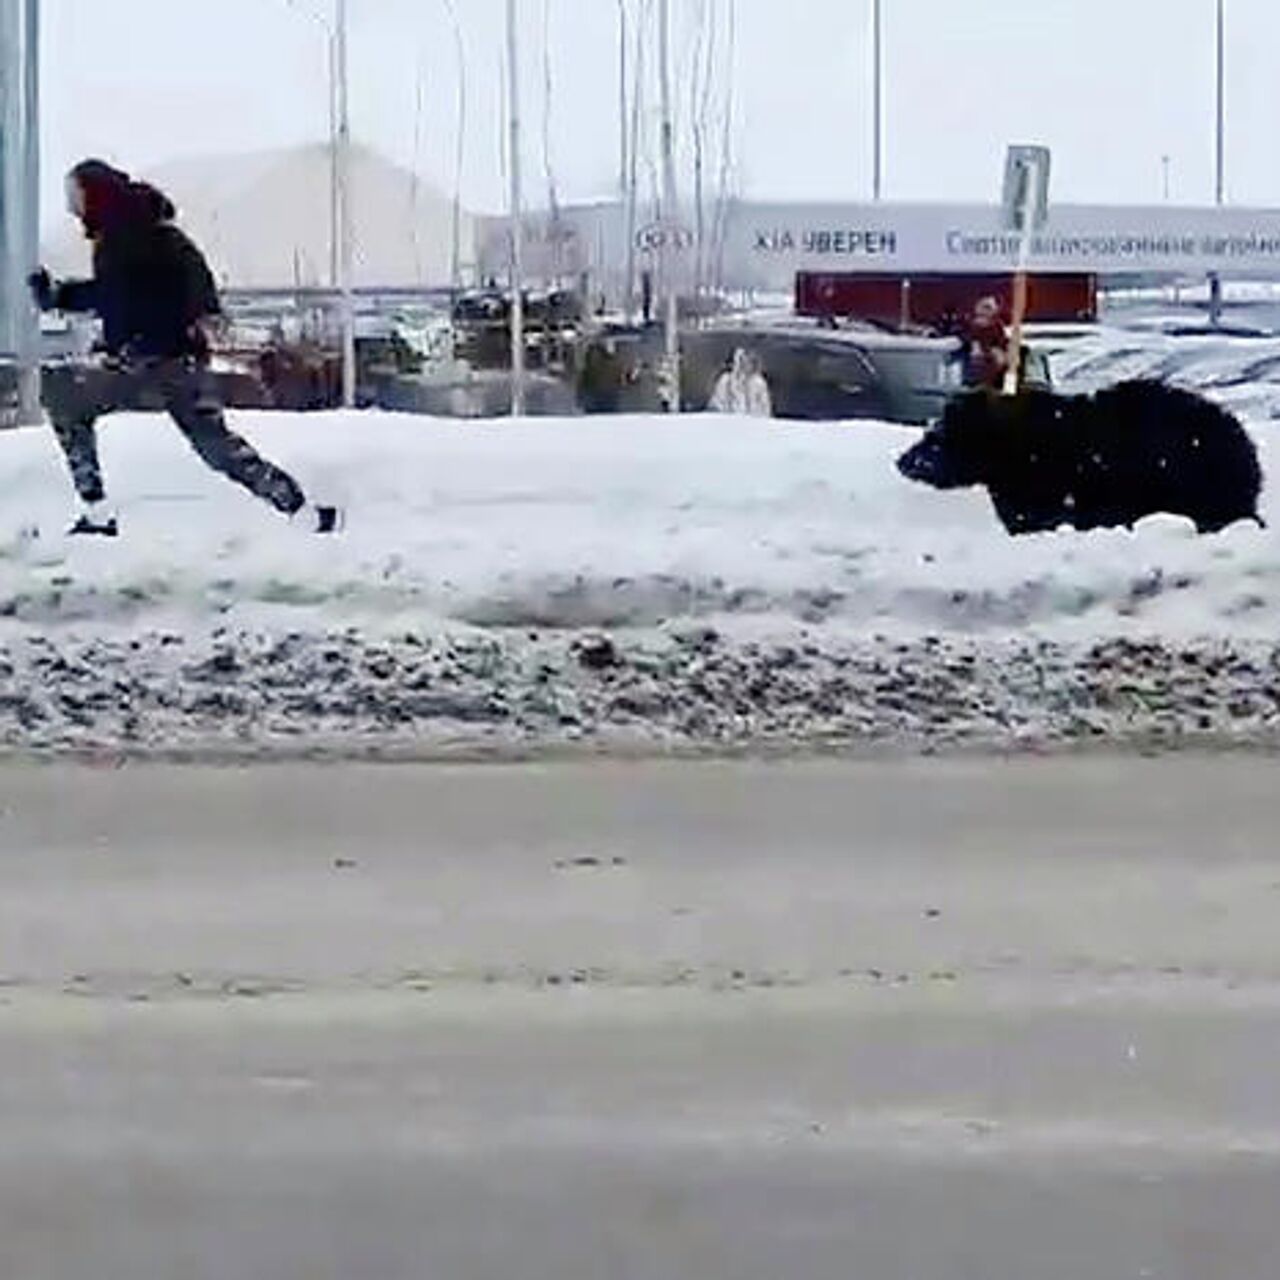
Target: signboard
1024,211
657,236
766,244
779,240
1025,204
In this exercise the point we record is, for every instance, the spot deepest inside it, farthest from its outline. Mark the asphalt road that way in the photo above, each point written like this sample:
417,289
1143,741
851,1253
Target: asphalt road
917,1021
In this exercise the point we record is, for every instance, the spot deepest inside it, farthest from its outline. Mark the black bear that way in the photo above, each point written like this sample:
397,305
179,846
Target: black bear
1100,461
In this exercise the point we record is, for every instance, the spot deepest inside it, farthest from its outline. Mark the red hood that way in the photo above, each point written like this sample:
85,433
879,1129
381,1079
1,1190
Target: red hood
112,200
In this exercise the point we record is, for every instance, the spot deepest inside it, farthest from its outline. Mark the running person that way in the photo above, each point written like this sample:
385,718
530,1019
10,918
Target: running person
156,297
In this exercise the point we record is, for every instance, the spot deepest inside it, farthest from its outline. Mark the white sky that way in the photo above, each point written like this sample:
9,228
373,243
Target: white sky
1111,85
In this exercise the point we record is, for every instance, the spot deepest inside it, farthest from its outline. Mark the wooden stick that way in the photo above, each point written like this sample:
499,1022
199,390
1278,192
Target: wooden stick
1013,374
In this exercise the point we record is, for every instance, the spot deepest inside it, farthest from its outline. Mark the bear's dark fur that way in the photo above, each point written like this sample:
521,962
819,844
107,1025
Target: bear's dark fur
1097,461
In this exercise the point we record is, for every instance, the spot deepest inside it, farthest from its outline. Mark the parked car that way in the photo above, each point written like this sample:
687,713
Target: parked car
814,373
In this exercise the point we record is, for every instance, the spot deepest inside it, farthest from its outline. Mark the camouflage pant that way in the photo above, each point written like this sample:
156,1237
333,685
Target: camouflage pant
76,398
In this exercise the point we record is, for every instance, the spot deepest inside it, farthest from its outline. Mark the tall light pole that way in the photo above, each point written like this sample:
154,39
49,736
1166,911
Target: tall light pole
516,212
20,201
1220,183
345,219
631,179
335,184
1165,162
670,216
622,100
336,77
877,111
1220,190
460,151
29,331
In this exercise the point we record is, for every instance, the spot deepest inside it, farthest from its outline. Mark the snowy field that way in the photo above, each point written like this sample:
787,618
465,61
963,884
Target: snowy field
702,581
632,523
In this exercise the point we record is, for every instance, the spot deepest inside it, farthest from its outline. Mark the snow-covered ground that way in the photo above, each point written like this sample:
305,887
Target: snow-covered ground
595,523
697,581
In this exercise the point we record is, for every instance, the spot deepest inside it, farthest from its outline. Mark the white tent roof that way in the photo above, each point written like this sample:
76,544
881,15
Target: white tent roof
264,220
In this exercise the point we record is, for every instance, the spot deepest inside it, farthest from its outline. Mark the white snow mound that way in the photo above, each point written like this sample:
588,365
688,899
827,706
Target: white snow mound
602,522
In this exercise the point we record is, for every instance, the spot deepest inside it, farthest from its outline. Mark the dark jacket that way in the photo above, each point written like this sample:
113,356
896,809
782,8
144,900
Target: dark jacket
151,285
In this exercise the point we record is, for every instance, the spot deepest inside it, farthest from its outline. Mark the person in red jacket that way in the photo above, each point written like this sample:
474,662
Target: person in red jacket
157,300
986,347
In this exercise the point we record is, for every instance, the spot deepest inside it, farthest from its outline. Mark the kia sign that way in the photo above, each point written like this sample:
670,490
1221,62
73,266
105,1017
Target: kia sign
762,246
781,240
658,236
846,241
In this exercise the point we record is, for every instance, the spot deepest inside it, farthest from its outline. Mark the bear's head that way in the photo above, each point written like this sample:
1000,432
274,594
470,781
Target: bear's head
964,448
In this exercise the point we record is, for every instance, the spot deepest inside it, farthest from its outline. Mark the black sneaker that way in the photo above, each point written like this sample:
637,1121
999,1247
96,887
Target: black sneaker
328,519
87,526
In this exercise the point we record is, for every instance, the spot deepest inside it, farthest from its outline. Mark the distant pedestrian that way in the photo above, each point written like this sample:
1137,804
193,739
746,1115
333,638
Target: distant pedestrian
601,379
157,301
742,389
985,358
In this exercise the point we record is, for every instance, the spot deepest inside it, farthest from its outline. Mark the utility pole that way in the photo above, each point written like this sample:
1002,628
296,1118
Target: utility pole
20,198
335,200
670,218
631,180
1220,190
1220,183
877,78
347,226
622,100
460,145
516,215
1165,162
29,412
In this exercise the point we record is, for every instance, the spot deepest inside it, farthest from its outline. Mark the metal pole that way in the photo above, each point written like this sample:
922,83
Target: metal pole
10,232
19,332
345,214
28,335
671,219
623,125
455,228
632,178
1221,186
622,99
517,217
1164,165
877,43
335,270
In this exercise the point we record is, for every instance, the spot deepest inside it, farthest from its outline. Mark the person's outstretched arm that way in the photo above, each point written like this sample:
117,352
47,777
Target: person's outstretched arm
63,295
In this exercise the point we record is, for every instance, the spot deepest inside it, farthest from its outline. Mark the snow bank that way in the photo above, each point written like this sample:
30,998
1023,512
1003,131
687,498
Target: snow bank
617,523
611,583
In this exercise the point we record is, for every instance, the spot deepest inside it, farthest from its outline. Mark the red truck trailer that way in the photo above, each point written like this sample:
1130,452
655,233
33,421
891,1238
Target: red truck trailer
940,301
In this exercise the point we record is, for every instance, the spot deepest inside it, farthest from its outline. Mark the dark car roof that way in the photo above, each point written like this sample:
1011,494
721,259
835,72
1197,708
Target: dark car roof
867,339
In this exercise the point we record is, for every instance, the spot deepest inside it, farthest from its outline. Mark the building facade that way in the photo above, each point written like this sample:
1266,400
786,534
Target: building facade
760,247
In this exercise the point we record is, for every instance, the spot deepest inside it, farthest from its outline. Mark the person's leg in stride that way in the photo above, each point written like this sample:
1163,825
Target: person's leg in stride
193,405
75,401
